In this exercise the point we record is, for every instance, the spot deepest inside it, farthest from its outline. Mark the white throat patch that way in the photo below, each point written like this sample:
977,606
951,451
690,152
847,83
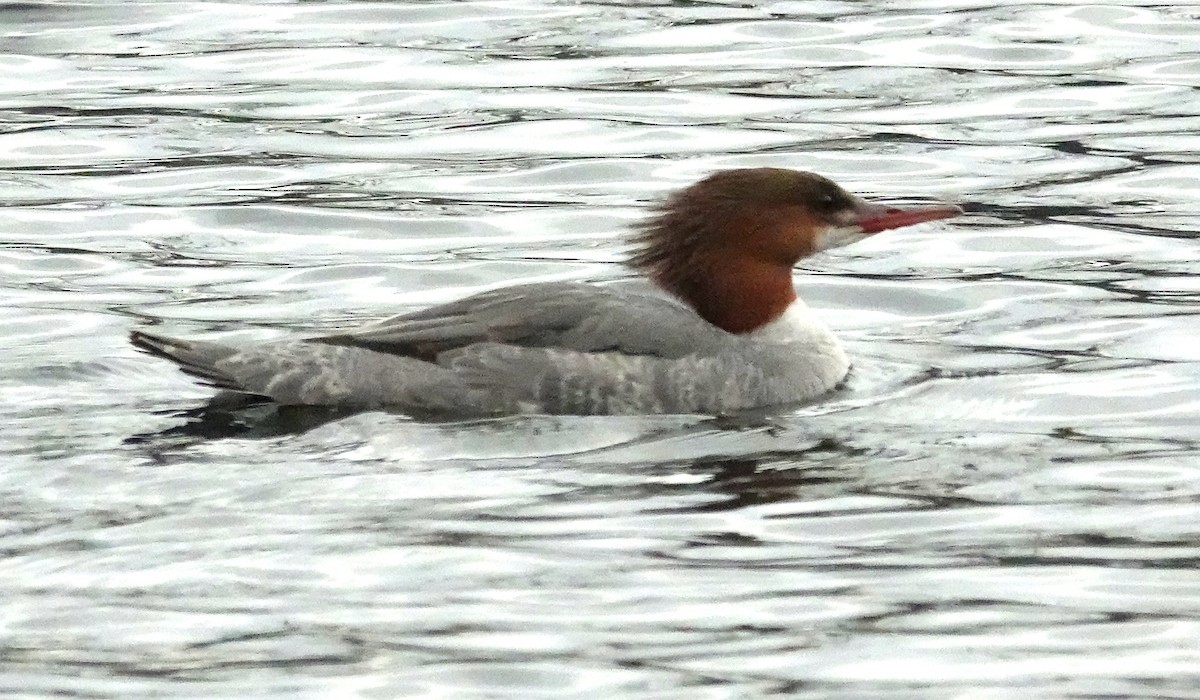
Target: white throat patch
838,236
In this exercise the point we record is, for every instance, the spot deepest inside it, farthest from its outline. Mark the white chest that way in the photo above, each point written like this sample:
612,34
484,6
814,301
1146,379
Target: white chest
798,324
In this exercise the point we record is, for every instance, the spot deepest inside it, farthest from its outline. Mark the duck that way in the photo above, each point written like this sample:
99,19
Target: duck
721,330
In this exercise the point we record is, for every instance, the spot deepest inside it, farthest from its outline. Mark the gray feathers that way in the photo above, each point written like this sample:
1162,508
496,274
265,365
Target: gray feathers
299,372
557,348
569,315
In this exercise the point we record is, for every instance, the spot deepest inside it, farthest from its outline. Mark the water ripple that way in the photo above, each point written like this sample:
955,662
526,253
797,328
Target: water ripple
1001,499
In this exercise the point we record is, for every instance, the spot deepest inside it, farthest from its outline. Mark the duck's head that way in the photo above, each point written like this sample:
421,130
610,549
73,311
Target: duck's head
727,244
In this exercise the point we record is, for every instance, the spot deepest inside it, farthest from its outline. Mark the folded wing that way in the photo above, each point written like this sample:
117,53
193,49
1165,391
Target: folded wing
569,316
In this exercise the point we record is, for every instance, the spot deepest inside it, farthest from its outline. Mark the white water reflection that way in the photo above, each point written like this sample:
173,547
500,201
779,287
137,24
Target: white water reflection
1001,499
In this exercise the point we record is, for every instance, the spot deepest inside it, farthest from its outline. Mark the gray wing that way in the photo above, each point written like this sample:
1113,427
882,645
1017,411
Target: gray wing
566,315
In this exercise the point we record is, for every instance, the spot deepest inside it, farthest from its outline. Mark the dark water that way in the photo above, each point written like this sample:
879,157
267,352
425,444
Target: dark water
1001,503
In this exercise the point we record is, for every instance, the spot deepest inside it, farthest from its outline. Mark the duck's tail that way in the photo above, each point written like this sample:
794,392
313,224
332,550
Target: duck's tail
197,358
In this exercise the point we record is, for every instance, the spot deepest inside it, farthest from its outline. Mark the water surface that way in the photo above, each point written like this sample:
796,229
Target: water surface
1002,502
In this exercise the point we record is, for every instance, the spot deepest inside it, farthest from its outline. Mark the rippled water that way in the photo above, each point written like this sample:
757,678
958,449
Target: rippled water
1001,503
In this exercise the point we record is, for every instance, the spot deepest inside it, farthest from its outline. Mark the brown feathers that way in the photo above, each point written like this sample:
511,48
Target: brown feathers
727,244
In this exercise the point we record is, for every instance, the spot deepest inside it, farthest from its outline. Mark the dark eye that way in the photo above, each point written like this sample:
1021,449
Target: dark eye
831,200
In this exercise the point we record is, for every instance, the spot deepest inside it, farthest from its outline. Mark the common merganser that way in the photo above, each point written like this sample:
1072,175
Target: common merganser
730,334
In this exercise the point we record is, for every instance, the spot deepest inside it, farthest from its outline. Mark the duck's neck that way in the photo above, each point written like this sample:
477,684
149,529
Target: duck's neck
739,295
